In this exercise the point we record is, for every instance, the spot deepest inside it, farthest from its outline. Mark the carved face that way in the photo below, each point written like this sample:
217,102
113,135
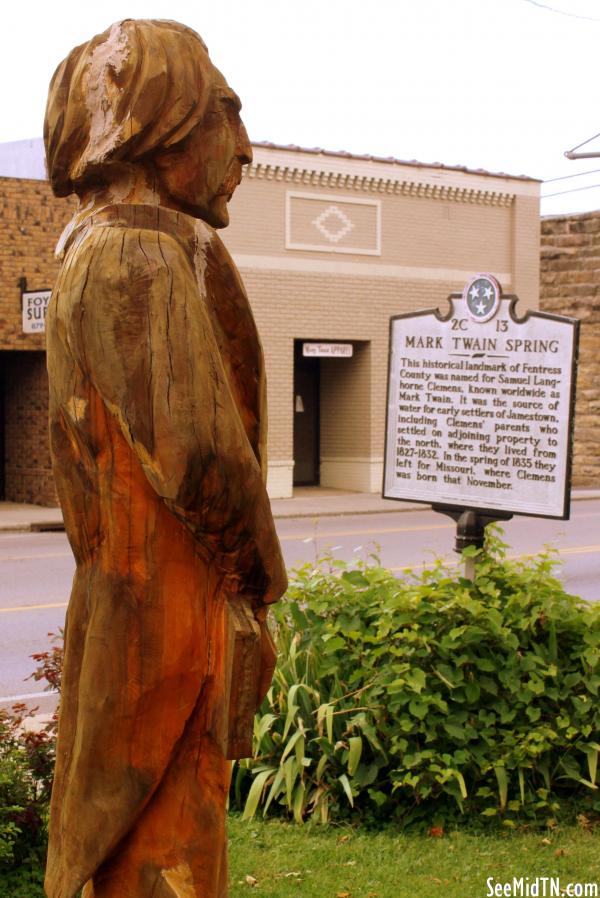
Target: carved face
200,174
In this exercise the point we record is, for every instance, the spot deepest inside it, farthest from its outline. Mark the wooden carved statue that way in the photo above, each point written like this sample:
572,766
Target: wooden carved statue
157,421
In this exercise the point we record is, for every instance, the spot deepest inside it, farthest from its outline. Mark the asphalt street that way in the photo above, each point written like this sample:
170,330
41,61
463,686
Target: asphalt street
36,568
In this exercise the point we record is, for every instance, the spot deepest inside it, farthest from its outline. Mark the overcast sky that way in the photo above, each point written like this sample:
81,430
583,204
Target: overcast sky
504,85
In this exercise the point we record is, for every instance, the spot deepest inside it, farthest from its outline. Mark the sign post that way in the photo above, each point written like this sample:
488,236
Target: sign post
480,409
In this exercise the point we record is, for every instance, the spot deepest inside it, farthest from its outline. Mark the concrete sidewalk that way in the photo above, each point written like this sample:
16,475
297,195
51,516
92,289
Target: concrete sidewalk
21,516
307,502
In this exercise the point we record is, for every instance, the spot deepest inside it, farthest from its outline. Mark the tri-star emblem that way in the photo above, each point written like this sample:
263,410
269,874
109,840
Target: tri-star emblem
482,295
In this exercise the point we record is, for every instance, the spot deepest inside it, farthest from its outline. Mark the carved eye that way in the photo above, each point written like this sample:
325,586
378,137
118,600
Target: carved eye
231,103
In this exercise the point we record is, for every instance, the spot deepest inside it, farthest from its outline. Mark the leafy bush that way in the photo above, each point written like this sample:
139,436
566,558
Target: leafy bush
429,698
419,700
24,881
26,771
26,765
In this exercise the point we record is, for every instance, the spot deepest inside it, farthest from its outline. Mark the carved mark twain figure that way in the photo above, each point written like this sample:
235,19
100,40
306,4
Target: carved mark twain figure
157,421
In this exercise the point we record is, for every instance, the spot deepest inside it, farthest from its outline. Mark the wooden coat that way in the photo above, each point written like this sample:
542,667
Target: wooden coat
157,423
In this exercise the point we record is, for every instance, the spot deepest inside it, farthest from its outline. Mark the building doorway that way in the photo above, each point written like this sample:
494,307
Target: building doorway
25,466
332,414
307,380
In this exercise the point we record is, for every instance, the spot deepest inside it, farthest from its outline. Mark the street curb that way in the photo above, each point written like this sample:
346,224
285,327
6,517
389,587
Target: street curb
45,526
35,527
57,524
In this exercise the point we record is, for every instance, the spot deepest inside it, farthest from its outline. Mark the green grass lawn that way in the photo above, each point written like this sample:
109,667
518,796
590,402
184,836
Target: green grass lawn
279,860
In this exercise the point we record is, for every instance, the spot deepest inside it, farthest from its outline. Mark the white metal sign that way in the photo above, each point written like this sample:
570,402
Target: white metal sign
328,350
480,406
35,304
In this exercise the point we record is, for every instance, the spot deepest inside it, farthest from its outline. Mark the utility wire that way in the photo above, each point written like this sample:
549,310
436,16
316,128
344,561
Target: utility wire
561,12
579,174
545,196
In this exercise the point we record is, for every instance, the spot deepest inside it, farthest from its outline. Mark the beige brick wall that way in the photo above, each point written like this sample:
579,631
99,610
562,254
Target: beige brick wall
429,247
346,404
525,264
416,231
570,285
328,307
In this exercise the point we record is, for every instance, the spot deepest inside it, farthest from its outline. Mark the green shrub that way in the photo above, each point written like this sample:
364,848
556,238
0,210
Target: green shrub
24,881
26,765
419,700
26,772
429,698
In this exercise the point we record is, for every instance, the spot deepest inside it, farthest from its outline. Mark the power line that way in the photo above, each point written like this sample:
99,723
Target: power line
579,174
546,196
561,12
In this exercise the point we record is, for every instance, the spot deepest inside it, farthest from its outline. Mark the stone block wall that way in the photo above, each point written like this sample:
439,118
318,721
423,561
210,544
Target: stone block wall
570,285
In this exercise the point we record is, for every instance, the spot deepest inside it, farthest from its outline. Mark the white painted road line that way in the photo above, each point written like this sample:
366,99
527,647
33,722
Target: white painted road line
27,695
330,534
33,607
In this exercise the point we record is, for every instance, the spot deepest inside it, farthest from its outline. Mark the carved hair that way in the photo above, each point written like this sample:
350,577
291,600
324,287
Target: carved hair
140,86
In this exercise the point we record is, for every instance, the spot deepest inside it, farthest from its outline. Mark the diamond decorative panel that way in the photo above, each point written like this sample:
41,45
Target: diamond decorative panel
324,223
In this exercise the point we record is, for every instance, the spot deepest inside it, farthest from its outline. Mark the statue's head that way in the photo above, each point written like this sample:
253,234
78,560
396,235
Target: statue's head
145,93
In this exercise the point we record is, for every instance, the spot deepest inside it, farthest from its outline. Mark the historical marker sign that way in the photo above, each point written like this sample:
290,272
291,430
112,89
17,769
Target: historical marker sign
480,405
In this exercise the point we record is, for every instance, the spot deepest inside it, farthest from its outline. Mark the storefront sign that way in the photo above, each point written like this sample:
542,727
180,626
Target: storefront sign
35,304
480,405
328,350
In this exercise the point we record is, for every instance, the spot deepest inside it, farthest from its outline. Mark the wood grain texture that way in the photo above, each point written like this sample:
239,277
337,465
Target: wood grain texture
158,435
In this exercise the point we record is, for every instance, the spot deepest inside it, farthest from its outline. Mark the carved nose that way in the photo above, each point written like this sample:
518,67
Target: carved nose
244,148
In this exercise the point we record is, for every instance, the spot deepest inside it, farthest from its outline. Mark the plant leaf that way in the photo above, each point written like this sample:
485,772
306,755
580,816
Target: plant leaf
290,746
522,785
298,806
502,785
461,783
592,760
292,708
255,793
347,788
275,787
354,752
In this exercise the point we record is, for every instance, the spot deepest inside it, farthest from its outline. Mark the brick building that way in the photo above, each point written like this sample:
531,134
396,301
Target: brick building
329,245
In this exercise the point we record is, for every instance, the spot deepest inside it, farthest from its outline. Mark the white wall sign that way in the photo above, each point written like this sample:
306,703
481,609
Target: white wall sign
35,304
328,350
480,406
